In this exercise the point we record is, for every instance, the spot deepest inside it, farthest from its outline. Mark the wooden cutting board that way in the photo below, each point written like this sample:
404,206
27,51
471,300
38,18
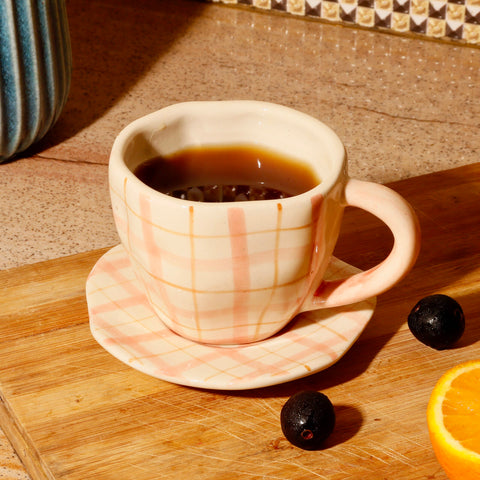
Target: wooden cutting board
72,411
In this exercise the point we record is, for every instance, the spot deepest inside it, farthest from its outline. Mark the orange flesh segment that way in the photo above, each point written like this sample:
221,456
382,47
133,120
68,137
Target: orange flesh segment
461,409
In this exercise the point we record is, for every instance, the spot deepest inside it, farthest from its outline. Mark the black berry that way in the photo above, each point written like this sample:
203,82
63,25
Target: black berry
437,321
307,419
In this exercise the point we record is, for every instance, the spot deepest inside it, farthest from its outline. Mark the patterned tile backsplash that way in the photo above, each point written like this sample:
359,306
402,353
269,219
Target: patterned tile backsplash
454,20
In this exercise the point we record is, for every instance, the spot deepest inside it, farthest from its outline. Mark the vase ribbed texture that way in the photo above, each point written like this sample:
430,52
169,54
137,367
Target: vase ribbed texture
35,70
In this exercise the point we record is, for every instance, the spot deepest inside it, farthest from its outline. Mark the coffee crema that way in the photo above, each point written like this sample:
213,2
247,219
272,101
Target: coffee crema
227,174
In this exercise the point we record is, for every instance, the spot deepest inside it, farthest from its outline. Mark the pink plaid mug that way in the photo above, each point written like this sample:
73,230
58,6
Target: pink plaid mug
238,272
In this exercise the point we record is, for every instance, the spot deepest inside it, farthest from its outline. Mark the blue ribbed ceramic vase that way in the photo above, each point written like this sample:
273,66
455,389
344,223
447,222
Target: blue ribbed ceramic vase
35,70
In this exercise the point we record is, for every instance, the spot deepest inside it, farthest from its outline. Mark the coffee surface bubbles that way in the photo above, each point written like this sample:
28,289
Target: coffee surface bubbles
227,174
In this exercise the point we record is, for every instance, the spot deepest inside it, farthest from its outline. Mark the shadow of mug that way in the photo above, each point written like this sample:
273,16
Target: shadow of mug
35,71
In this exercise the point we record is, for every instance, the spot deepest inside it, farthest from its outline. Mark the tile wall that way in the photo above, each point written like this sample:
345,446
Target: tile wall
452,20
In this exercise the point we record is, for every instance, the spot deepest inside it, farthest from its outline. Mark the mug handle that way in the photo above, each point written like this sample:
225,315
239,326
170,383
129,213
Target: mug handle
399,216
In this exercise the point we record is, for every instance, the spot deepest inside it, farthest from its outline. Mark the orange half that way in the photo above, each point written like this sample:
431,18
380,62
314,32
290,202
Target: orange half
453,417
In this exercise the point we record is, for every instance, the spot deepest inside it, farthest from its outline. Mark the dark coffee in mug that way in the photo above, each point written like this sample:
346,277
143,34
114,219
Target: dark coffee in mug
226,174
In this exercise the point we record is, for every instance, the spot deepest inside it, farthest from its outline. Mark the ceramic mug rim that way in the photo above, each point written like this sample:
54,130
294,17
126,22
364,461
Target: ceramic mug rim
151,122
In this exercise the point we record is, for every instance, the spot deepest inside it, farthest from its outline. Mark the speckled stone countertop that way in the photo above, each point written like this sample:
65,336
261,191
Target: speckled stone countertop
402,106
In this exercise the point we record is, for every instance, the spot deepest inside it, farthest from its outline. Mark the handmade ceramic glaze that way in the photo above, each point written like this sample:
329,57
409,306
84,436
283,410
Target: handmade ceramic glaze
35,70
234,273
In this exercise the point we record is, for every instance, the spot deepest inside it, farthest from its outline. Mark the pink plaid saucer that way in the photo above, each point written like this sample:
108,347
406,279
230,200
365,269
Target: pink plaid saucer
123,323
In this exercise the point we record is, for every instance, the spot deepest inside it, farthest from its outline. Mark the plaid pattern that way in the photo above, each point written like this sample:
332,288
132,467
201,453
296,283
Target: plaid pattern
227,285
448,19
123,322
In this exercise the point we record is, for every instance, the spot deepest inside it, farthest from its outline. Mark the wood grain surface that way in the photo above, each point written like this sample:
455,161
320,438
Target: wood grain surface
74,412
